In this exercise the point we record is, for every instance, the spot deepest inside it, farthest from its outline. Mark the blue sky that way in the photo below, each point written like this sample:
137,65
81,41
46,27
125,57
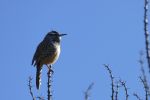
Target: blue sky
99,32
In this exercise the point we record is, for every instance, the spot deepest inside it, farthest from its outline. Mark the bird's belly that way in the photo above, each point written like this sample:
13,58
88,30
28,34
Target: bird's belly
52,59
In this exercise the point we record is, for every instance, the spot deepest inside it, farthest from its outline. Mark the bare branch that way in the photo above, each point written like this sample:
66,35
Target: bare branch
30,88
143,76
117,90
145,88
40,98
87,92
112,81
146,33
49,75
137,96
125,89
141,61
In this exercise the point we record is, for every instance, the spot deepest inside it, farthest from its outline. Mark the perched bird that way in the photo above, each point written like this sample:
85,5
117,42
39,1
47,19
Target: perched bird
46,53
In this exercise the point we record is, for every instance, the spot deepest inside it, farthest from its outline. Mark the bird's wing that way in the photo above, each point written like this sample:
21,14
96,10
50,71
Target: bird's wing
47,50
43,50
37,52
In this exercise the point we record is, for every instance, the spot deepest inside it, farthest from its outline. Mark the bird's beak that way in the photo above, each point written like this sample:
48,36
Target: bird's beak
62,34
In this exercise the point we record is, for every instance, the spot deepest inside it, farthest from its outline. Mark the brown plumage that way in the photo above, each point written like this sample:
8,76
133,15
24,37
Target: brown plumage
46,53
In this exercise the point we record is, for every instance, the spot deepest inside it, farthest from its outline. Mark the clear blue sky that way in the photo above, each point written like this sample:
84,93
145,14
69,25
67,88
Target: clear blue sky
99,32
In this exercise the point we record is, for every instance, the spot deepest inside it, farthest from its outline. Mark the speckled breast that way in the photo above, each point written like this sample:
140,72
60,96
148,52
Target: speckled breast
53,58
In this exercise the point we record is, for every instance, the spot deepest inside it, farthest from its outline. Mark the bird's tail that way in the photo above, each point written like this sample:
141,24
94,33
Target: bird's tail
38,77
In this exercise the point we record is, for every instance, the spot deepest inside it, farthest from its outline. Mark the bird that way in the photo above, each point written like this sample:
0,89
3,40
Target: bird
47,53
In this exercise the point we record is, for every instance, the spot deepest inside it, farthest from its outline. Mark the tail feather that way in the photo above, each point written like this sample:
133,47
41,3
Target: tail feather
38,77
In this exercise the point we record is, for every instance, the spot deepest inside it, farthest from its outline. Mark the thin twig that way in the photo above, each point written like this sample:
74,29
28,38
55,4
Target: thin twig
125,89
40,98
117,90
136,95
145,88
146,33
30,88
112,81
143,76
49,75
87,92
141,61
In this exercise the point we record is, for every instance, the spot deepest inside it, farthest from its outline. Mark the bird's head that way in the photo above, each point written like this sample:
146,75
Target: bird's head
54,36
